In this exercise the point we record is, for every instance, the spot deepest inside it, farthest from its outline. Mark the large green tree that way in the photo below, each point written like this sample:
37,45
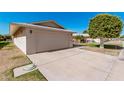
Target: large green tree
105,26
85,32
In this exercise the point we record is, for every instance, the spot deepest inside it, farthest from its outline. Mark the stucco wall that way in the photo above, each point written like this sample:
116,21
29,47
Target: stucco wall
31,41
70,40
41,40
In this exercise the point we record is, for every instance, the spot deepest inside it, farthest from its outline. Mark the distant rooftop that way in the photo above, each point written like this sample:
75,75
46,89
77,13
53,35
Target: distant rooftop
49,23
79,34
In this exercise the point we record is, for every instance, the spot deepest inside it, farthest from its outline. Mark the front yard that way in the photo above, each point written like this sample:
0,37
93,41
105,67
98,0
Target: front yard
10,58
111,48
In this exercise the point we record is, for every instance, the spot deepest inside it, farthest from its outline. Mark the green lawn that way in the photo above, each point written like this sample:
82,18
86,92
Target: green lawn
90,44
3,44
31,76
110,49
11,58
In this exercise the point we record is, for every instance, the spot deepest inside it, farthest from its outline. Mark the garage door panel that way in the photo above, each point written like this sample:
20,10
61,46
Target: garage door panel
51,41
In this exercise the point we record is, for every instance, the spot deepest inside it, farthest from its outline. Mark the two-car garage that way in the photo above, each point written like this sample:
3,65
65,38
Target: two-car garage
40,41
40,38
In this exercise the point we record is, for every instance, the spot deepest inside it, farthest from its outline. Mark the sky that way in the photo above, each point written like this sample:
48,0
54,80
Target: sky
75,21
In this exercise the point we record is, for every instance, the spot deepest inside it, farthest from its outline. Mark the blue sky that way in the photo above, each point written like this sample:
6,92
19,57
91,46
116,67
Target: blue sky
75,21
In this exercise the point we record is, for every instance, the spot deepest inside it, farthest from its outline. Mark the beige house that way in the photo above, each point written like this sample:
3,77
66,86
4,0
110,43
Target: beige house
40,36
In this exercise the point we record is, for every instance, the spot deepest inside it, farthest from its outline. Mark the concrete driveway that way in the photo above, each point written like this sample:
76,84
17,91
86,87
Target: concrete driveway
76,64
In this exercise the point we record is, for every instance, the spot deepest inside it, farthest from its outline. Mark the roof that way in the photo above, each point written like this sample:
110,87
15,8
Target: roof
47,23
15,26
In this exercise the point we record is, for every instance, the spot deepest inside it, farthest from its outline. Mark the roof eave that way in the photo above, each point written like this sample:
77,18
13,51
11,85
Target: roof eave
12,31
49,21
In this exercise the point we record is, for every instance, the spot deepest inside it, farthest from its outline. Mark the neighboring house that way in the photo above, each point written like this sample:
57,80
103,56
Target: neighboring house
78,34
82,39
40,36
90,40
87,38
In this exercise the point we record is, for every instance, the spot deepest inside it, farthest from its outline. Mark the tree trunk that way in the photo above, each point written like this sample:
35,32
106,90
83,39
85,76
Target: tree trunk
101,43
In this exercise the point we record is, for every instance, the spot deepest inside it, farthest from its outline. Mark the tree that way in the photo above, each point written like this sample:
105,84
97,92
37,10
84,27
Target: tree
78,37
85,32
1,37
105,26
122,36
5,37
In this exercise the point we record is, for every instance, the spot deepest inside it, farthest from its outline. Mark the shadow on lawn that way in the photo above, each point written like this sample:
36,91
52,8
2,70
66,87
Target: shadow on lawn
3,44
112,46
107,46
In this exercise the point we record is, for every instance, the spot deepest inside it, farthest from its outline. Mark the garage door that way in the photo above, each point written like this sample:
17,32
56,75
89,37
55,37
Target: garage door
46,40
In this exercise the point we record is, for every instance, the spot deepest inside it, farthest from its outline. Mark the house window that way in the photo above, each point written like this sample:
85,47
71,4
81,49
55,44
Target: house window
30,31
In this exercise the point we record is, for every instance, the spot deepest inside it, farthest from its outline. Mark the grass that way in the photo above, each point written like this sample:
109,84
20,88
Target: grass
17,57
31,76
3,44
90,44
106,46
110,49
6,45
10,58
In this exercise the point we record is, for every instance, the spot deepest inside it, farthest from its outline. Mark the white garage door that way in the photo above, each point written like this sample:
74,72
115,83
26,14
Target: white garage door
20,42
